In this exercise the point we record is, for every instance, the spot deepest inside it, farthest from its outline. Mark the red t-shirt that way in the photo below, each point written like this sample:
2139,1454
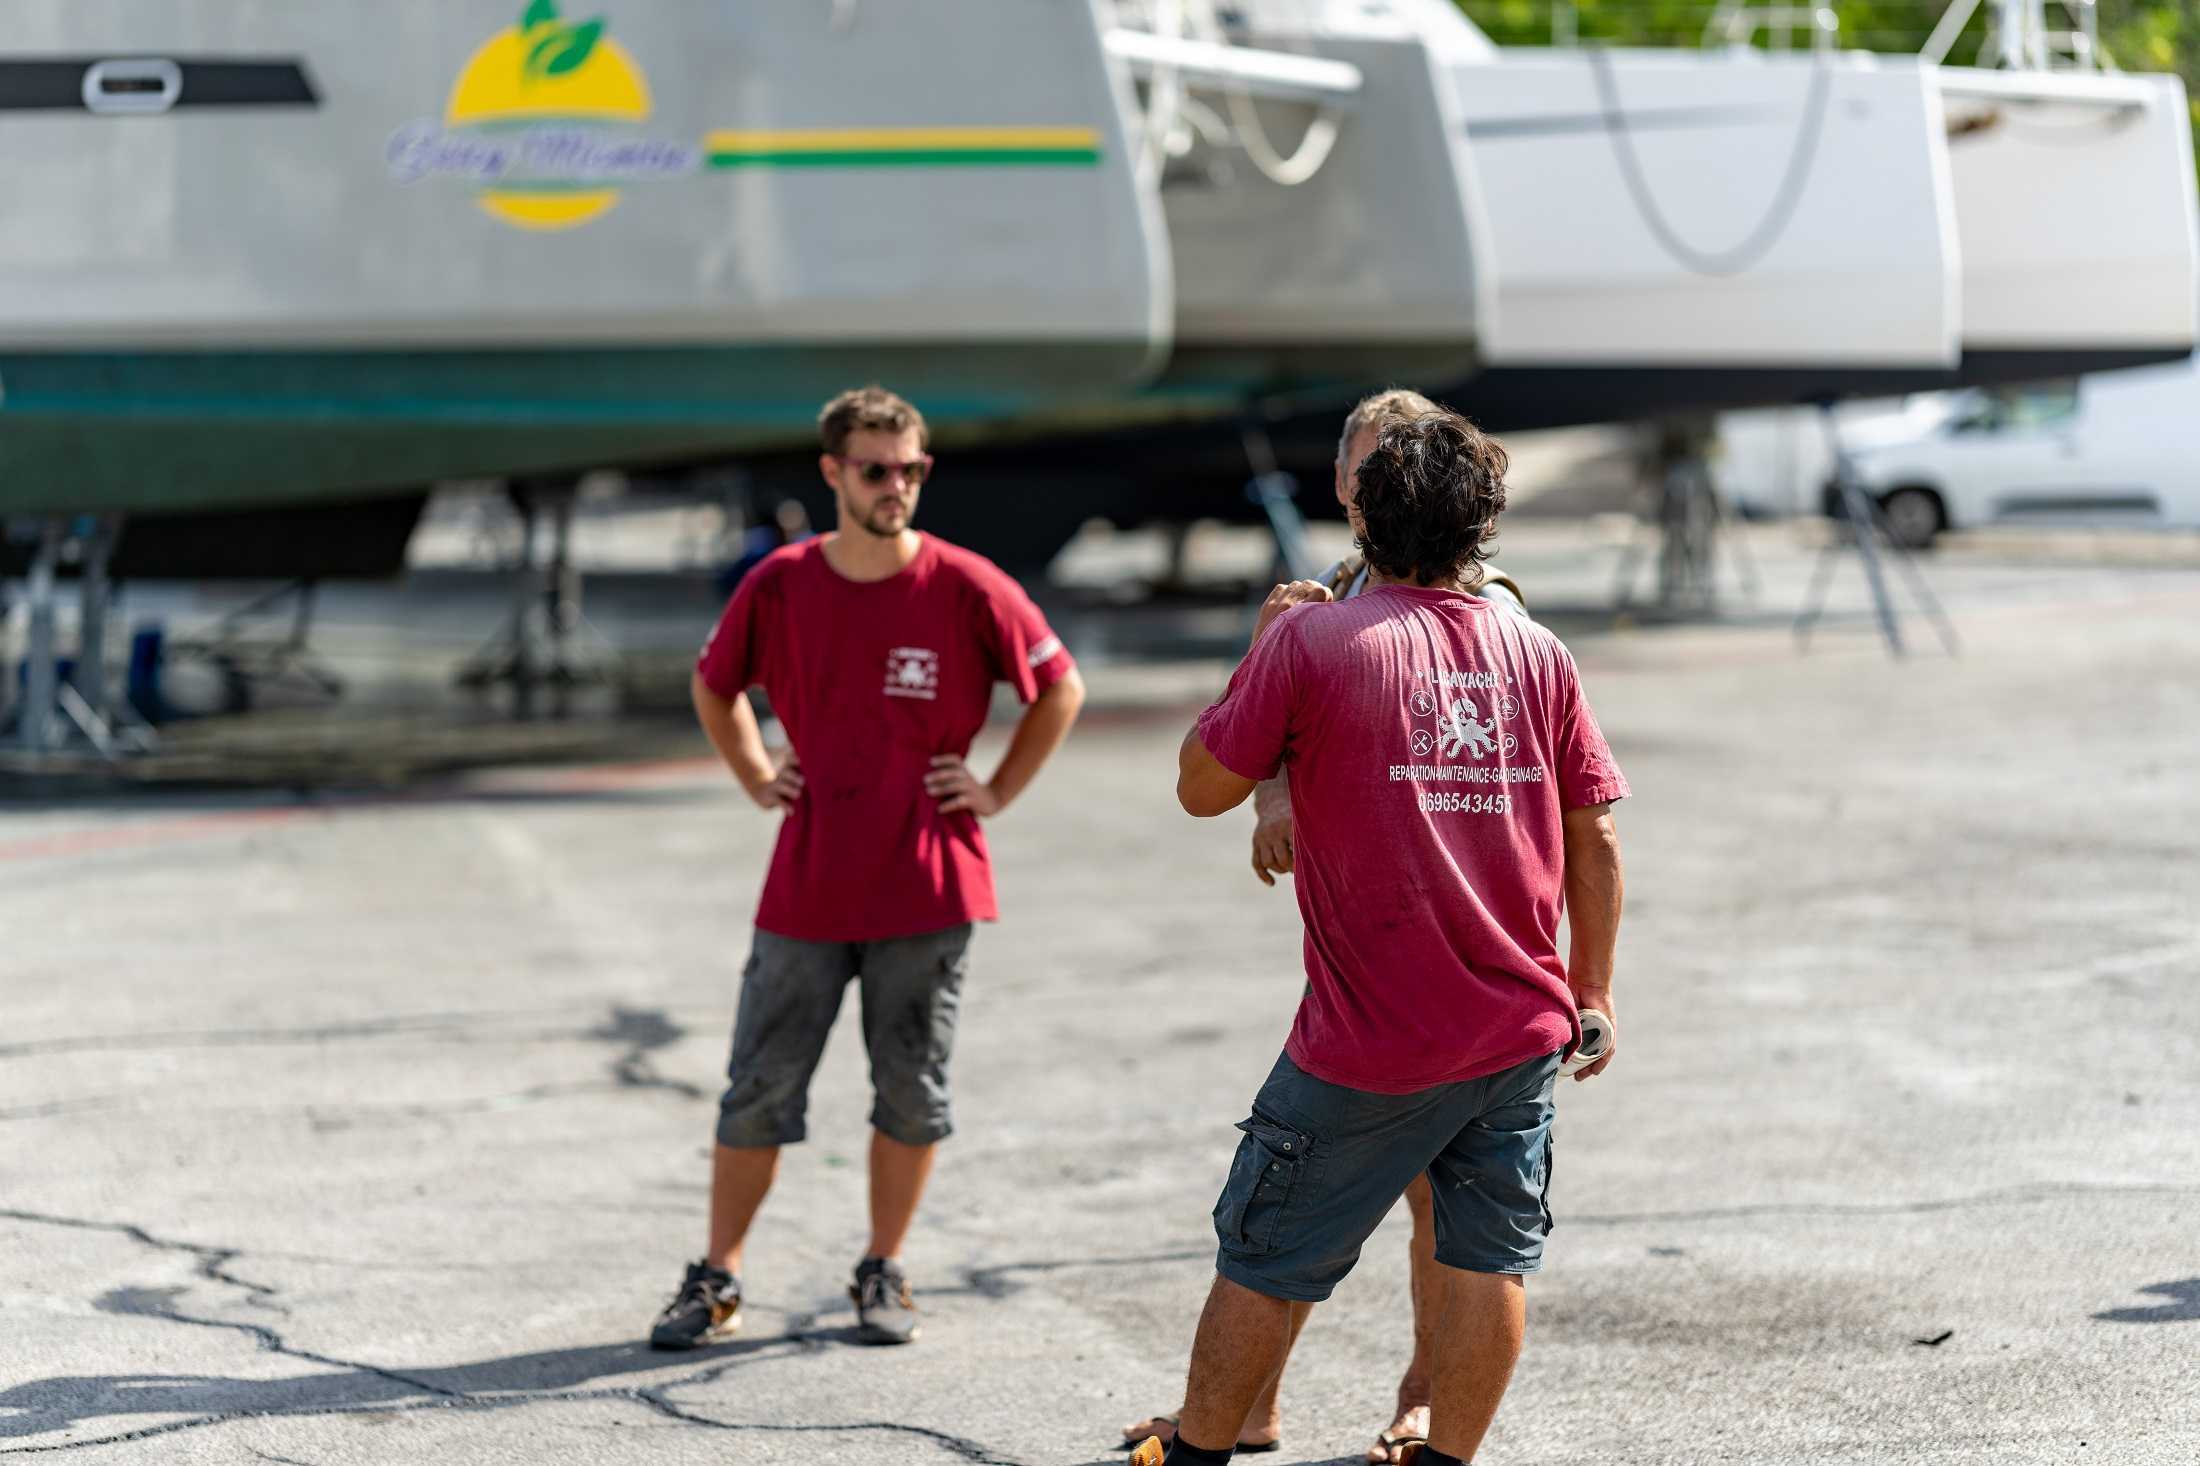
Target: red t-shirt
1433,741
871,680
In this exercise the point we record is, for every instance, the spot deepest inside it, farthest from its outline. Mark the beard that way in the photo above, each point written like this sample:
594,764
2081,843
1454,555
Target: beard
886,519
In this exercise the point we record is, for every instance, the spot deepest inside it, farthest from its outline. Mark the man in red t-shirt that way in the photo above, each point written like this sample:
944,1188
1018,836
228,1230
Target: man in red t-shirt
1271,858
1451,794
879,648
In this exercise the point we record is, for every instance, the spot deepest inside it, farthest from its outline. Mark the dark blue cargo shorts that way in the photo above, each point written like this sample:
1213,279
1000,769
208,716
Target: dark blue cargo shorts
790,995
1321,1165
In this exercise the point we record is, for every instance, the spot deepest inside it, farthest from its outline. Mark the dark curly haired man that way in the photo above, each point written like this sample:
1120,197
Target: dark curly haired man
1451,793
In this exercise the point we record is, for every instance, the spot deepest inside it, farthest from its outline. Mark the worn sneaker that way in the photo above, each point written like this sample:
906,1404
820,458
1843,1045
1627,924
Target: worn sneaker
885,1313
706,1310
1148,1452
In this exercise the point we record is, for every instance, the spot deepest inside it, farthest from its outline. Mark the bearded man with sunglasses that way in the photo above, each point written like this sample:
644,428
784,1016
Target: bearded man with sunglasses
878,647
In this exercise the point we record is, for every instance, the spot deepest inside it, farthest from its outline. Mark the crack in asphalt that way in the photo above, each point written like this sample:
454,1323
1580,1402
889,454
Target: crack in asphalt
158,1303
439,1027
639,1031
87,1105
993,1282
652,1399
2003,1196
962,1446
210,1263
802,1335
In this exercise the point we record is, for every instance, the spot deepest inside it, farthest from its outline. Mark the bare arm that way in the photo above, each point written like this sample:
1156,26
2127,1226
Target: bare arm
1038,733
730,725
1203,786
1593,898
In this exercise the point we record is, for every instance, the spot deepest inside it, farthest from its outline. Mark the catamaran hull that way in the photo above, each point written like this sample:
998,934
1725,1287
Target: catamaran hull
264,252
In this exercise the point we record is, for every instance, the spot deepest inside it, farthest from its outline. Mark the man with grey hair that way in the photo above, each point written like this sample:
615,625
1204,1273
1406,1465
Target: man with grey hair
1273,856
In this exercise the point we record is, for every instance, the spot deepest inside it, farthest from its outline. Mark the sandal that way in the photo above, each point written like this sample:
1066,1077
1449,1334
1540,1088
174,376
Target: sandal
1255,1448
1394,1442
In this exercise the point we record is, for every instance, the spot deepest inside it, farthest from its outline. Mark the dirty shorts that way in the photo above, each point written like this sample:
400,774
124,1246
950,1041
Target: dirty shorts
790,994
1321,1165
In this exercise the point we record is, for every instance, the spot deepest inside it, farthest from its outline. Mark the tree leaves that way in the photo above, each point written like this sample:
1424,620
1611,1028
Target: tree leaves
2145,35
566,48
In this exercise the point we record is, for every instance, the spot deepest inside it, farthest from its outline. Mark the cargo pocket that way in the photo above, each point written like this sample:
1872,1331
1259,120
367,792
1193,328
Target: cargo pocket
1263,1176
1549,1141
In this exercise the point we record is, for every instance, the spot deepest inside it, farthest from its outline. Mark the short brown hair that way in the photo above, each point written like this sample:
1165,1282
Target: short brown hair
868,409
1392,404
1428,499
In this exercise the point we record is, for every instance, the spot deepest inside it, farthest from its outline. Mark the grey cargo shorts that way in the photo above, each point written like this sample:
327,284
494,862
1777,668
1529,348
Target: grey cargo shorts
790,995
1320,1165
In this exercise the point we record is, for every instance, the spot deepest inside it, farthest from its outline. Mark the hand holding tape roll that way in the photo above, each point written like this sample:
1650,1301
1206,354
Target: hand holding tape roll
1597,1032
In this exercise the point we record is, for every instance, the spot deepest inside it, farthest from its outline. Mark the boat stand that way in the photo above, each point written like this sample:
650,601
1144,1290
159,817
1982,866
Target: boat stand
1276,492
1869,535
532,650
57,712
246,663
1692,524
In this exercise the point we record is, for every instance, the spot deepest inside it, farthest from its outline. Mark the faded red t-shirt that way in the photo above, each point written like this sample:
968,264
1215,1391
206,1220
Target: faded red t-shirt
1433,742
871,680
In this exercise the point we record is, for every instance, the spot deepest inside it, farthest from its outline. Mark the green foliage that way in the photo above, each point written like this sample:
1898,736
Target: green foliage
1877,25
2137,35
564,49
541,12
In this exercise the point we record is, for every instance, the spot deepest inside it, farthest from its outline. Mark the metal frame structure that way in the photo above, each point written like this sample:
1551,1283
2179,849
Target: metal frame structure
55,711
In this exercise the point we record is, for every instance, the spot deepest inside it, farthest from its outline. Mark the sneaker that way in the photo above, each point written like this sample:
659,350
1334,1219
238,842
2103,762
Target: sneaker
1148,1452
885,1313
706,1310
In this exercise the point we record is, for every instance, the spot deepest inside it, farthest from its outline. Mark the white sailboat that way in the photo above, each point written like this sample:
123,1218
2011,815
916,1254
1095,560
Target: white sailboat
1635,233
265,255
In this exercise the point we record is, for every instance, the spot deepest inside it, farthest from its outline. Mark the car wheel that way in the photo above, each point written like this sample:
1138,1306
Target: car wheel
1914,517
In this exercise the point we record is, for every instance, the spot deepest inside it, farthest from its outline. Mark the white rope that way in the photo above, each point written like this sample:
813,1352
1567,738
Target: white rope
1315,145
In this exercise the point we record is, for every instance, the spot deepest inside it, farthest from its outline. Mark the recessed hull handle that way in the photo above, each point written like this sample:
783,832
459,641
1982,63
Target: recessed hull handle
132,88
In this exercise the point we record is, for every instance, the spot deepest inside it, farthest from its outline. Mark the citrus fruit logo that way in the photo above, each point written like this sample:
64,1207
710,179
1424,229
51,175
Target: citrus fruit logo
542,108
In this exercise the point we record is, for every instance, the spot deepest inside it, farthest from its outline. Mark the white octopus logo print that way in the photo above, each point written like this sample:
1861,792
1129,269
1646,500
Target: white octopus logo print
1461,733
913,671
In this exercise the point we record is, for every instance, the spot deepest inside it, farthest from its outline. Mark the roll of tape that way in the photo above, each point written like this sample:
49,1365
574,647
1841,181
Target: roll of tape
1597,1029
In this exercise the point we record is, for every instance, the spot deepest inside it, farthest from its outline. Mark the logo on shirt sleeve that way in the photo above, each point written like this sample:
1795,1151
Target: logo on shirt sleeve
1044,652
913,671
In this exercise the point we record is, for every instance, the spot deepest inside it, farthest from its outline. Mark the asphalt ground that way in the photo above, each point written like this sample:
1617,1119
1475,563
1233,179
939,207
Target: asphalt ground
362,1126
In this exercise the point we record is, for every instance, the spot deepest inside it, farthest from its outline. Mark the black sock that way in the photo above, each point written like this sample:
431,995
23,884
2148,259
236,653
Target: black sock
1183,1453
1430,1456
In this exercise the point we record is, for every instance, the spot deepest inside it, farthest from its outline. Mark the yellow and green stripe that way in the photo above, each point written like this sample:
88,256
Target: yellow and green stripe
905,147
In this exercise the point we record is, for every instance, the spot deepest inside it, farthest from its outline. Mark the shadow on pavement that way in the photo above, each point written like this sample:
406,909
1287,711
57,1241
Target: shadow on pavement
39,1407
2183,1305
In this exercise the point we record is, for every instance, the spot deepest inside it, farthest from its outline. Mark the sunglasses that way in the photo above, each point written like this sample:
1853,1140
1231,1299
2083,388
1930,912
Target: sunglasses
878,471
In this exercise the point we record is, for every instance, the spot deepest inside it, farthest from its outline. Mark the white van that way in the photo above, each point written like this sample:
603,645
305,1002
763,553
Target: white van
1775,462
2120,448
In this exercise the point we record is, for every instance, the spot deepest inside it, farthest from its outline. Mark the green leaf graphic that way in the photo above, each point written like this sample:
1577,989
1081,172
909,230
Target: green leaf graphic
541,12
564,49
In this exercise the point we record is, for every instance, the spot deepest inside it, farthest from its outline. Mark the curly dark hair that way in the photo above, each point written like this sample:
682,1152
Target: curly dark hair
1428,497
